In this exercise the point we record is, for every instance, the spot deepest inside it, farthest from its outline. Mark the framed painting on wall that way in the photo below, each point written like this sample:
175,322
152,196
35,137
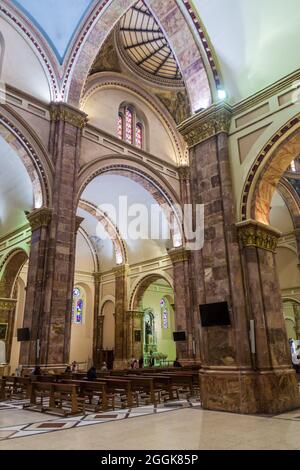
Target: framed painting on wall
3,331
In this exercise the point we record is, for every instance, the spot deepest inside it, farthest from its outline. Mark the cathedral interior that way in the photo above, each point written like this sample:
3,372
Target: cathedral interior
150,217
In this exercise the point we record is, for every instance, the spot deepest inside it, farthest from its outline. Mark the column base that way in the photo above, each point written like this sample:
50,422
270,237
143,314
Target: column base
271,392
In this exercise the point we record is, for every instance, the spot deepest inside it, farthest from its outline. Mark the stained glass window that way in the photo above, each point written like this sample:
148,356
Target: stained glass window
165,314
120,126
139,135
77,309
129,121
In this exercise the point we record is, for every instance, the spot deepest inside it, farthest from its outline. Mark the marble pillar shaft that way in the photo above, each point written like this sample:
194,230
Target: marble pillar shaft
134,323
97,331
36,281
218,273
120,316
7,316
182,300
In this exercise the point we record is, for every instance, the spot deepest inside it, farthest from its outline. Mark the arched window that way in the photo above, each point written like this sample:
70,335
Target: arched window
77,307
164,314
139,135
130,127
121,126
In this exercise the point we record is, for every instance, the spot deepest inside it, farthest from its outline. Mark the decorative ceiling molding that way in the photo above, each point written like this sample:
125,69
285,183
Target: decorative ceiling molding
144,47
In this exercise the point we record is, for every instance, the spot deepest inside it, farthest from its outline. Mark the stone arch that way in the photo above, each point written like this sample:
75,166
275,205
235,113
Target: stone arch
108,80
9,270
92,249
142,284
172,21
291,200
31,152
110,228
267,170
147,178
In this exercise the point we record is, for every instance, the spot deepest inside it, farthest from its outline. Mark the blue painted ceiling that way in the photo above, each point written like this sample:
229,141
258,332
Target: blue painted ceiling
57,20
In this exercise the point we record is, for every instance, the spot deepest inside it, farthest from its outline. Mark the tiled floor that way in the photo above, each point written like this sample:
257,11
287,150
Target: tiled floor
186,427
16,422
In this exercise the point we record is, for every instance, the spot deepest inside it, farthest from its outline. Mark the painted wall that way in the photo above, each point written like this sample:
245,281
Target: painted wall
151,299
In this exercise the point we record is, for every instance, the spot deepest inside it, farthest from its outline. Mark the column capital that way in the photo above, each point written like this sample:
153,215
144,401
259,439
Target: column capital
253,233
178,255
135,314
7,304
65,112
207,123
39,218
121,270
184,172
97,277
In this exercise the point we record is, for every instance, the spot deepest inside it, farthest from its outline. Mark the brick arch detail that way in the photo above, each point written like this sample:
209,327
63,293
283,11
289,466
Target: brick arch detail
110,228
142,285
10,269
267,170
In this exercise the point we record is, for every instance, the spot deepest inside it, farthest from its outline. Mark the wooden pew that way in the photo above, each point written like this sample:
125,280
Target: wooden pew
88,390
57,394
118,385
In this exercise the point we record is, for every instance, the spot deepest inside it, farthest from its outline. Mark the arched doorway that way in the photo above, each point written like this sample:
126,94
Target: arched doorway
154,299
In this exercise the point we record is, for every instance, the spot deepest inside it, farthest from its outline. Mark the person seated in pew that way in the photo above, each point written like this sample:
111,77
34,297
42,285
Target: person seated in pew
68,370
176,363
104,367
92,373
141,362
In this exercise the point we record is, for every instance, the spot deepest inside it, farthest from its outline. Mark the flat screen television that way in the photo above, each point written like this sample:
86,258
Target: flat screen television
23,334
179,336
216,314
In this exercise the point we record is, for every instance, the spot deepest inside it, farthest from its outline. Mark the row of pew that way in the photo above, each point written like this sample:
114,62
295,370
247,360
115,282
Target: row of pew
70,394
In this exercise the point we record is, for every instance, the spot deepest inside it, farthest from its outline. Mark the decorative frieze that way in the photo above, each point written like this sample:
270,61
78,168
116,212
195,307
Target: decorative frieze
39,218
179,255
7,304
252,233
184,173
64,112
121,271
206,124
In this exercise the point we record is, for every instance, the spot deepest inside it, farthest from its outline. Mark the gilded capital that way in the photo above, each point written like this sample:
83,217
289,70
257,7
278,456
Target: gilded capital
206,124
253,233
121,271
7,304
39,218
184,172
66,113
179,255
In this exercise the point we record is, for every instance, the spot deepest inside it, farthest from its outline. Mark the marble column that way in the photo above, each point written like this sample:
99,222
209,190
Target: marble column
135,334
121,307
97,332
297,319
7,317
276,382
56,307
297,238
183,312
229,378
39,221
